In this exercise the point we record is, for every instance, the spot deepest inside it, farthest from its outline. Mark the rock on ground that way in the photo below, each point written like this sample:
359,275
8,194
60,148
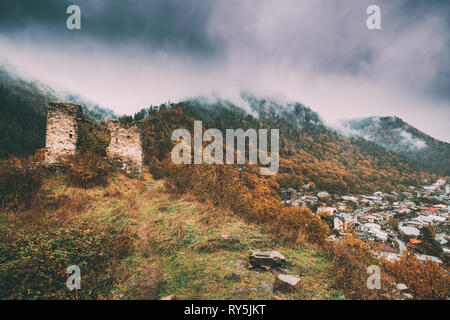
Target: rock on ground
272,259
401,287
286,283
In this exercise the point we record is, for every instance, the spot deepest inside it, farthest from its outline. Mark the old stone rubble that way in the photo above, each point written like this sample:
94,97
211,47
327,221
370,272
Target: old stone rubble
286,283
272,259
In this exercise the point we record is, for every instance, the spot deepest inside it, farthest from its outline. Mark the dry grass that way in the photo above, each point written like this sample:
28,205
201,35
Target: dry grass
176,245
196,263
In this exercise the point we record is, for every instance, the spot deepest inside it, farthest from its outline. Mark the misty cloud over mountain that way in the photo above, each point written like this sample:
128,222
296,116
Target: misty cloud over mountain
130,54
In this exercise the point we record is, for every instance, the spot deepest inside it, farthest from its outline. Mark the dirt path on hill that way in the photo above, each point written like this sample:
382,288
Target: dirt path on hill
150,283
150,269
149,286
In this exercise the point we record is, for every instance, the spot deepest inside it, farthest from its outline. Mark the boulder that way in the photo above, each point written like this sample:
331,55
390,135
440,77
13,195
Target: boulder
170,297
271,259
408,296
286,283
401,287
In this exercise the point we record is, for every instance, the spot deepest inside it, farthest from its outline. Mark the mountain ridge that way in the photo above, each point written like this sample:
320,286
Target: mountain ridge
401,138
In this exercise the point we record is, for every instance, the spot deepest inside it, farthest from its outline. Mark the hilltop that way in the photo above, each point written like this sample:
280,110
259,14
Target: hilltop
399,137
310,152
133,240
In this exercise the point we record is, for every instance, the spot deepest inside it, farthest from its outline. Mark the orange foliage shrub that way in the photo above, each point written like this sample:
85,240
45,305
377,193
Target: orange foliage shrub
248,195
88,169
425,279
348,272
89,166
243,192
295,223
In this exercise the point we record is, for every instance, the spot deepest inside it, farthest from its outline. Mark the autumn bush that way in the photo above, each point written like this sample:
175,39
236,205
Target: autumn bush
92,137
33,265
242,191
88,169
296,224
20,181
89,166
250,196
159,169
425,279
348,271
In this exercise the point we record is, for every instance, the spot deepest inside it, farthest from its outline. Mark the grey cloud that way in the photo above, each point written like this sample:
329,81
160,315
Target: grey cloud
171,25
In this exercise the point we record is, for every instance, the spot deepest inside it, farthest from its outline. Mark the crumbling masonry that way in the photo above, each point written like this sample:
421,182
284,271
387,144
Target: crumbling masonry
125,147
124,150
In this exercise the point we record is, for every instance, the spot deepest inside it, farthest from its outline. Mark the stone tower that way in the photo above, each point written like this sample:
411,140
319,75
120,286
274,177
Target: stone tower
61,137
125,148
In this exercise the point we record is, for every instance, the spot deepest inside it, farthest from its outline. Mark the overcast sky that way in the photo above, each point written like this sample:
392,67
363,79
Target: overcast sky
131,54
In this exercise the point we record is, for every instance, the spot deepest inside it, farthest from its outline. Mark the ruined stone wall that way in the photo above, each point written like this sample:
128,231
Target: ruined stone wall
125,148
61,136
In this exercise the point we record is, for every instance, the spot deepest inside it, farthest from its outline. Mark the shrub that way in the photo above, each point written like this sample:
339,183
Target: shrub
242,191
249,196
33,265
93,137
296,223
20,181
425,279
88,169
159,169
348,272
89,166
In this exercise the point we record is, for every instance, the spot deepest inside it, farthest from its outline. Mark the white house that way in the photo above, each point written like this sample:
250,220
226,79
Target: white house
343,222
409,231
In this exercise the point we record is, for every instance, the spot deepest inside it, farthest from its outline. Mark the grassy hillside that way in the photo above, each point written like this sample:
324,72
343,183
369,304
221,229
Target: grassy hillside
132,240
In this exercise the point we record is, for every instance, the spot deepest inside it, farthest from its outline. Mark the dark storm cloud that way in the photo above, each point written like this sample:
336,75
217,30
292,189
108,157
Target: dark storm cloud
157,24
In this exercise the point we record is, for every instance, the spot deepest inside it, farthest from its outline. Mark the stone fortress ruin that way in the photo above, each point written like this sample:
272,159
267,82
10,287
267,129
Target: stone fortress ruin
124,149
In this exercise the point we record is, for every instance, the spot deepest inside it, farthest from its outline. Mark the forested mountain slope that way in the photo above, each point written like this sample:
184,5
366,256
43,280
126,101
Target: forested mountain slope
309,151
402,139
23,109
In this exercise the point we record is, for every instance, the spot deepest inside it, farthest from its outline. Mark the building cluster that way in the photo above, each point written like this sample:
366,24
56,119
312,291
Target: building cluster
395,219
